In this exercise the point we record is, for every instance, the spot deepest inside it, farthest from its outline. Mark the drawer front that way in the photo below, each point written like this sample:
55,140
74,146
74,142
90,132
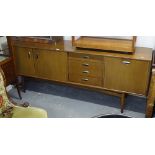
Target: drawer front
84,56
85,80
126,75
85,67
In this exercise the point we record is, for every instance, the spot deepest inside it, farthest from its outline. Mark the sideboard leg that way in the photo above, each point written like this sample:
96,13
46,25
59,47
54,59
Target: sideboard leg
23,84
122,101
17,86
18,90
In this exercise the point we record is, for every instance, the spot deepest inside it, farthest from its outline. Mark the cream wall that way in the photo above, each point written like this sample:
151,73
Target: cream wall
146,41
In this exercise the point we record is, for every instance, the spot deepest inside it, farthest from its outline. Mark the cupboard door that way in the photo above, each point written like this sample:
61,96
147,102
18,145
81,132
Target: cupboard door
24,61
126,75
51,65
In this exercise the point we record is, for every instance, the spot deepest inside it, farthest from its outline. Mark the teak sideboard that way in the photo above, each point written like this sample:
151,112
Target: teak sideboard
110,72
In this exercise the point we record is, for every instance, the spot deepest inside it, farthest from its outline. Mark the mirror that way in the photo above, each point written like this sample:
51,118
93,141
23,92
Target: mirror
124,44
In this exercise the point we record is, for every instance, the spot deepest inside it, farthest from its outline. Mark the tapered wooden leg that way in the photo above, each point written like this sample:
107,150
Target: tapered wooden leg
122,101
17,87
23,84
122,97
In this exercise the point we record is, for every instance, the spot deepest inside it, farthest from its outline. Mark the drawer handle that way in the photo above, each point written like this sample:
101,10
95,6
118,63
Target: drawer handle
86,57
85,72
85,64
83,79
29,55
126,62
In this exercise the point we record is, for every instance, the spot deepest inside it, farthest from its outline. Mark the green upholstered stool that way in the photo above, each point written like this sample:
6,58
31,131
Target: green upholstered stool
9,110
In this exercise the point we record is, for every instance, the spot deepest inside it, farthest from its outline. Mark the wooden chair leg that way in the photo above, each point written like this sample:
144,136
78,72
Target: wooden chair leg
122,102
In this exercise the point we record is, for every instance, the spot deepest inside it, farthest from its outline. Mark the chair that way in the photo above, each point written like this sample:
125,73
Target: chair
151,97
9,72
9,110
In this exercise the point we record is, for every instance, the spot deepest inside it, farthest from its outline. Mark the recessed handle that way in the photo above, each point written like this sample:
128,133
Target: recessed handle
85,72
36,56
126,62
86,57
85,64
84,79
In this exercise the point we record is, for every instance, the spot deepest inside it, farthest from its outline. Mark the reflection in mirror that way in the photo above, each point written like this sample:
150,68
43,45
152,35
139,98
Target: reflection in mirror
4,50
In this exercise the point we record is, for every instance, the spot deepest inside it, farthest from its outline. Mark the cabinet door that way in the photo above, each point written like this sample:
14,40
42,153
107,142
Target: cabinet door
24,61
126,75
51,65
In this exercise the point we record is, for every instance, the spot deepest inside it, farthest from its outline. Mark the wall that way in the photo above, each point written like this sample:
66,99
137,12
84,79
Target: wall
142,41
146,41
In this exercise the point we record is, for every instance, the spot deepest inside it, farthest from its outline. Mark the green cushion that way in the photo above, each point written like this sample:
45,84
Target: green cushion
4,101
29,112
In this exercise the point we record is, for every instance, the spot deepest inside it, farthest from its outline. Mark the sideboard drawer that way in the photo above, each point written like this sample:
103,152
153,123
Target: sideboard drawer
85,80
84,56
80,67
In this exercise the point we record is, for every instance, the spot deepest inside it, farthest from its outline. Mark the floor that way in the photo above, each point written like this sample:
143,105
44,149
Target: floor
69,102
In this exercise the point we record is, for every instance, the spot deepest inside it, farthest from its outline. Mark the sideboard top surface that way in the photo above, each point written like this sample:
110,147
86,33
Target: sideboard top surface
141,53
